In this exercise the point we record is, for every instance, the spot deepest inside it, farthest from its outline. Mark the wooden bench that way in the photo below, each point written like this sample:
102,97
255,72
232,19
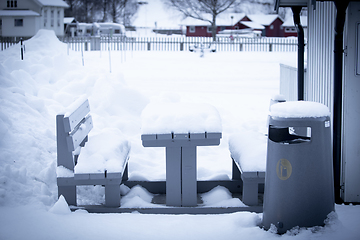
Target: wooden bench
72,129
248,165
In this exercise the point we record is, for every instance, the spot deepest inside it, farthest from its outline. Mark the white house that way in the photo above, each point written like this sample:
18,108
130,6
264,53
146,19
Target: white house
24,18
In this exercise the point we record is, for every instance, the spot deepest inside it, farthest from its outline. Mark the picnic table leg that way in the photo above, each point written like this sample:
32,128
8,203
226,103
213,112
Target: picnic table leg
112,195
173,176
250,191
189,184
69,193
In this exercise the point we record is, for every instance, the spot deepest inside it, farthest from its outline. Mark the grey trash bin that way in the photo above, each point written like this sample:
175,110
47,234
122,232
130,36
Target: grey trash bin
299,174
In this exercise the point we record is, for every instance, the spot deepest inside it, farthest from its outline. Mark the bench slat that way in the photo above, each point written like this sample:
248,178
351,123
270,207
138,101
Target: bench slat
76,138
71,121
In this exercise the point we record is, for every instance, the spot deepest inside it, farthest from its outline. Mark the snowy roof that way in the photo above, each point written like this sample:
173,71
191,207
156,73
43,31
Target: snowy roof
53,3
68,20
223,19
263,19
5,13
252,25
290,22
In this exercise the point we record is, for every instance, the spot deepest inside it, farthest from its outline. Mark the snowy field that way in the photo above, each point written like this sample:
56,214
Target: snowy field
238,84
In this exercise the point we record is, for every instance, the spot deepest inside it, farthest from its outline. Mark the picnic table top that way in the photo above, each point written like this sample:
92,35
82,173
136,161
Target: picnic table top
166,118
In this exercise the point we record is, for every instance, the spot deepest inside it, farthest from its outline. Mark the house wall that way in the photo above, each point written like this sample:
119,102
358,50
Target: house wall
53,21
320,69
290,31
350,191
29,28
275,29
22,4
200,31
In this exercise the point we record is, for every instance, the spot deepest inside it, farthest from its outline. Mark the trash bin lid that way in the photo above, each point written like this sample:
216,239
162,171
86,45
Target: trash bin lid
299,109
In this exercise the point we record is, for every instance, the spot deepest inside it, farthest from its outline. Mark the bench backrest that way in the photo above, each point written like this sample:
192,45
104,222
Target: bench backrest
72,130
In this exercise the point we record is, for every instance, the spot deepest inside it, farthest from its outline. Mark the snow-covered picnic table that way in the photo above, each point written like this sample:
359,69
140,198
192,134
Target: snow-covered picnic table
180,127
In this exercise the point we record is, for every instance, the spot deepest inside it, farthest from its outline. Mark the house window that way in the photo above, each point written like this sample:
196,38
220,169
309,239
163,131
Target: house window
19,22
209,29
271,27
192,29
12,4
290,29
52,18
58,18
45,17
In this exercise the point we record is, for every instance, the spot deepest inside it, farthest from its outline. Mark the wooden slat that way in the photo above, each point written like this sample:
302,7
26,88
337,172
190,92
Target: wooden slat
79,134
71,121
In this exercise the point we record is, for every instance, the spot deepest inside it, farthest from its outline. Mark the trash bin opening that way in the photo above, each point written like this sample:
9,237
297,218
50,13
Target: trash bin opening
289,135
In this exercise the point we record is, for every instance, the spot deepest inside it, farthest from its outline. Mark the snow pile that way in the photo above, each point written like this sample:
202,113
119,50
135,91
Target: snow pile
249,149
220,197
60,207
105,151
180,118
33,92
299,109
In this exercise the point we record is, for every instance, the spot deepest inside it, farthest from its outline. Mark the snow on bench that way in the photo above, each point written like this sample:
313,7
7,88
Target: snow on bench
102,162
248,151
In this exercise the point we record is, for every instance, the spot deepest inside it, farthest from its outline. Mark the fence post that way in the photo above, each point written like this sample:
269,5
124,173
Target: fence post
22,49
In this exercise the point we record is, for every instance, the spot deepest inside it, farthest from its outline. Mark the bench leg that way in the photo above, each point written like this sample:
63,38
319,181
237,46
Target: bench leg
250,192
236,175
173,176
112,195
189,185
69,193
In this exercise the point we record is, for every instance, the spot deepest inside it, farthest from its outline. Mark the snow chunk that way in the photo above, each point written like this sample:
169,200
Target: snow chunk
180,118
60,207
299,109
62,171
138,197
107,150
249,149
220,197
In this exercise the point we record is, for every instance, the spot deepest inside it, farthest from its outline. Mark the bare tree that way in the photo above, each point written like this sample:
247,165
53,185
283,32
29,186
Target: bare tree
102,10
122,10
202,9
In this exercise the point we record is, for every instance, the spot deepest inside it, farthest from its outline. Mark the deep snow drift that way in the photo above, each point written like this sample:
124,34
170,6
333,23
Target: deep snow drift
33,91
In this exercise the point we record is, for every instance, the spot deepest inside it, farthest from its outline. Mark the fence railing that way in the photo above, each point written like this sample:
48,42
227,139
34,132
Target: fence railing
172,43
6,42
181,43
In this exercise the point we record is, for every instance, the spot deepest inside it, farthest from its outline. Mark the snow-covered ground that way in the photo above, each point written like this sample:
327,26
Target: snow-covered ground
238,84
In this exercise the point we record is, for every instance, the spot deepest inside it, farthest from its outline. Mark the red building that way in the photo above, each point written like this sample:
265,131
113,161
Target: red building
290,29
199,28
271,22
270,25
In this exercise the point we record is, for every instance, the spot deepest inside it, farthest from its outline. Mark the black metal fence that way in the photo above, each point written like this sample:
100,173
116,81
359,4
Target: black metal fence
171,43
183,43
